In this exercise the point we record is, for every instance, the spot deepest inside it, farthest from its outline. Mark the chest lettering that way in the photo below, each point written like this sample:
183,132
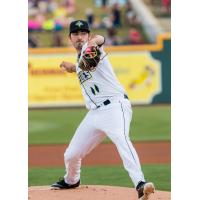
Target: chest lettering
84,76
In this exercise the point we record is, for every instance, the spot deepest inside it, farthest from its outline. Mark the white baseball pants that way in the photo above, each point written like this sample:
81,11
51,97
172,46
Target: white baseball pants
112,120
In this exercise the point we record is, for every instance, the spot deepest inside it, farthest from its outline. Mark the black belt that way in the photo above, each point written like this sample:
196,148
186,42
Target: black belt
106,102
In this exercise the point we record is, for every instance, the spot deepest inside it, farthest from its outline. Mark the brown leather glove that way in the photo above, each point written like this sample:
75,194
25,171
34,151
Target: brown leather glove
90,58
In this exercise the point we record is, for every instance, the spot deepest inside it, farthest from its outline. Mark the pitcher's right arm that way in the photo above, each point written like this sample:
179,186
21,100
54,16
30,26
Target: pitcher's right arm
67,66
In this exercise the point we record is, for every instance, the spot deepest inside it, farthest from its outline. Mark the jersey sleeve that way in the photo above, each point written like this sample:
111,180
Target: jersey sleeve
81,54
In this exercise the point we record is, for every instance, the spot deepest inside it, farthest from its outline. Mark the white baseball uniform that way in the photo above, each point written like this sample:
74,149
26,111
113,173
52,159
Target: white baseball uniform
110,114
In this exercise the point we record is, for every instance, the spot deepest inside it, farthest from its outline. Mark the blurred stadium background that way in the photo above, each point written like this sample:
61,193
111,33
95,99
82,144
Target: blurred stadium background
122,22
138,42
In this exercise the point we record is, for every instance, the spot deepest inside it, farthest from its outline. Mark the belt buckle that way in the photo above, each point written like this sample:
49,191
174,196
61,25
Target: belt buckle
105,103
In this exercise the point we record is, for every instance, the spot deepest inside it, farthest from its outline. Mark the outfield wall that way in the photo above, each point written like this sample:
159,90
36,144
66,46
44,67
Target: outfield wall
144,71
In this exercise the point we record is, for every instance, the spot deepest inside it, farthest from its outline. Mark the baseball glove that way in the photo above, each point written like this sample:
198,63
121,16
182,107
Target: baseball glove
90,58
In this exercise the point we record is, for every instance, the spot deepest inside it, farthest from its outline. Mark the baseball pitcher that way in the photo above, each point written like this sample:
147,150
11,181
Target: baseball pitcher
109,114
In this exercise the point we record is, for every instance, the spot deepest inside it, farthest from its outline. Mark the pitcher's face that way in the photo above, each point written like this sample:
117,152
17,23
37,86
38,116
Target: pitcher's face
78,39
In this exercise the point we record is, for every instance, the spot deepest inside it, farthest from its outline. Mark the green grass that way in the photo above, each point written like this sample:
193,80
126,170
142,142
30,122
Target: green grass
109,175
53,126
150,123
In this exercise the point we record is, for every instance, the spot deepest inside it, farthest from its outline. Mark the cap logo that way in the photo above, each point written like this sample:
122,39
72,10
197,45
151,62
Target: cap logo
79,24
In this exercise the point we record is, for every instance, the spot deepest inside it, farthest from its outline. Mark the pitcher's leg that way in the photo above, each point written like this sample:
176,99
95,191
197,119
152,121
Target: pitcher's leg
125,148
72,167
130,158
117,129
84,140
73,157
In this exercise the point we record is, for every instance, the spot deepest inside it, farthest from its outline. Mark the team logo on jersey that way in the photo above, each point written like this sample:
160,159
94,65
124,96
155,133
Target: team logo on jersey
84,76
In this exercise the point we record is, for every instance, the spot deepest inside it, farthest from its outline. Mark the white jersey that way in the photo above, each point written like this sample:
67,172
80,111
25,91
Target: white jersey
109,114
99,85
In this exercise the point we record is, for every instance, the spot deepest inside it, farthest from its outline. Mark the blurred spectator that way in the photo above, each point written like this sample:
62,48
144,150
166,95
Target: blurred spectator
116,15
55,15
39,19
130,14
101,3
104,3
52,6
48,25
32,41
57,39
35,3
33,25
61,11
65,21
166,5
70,6
90,17
43,5
134,37
58,25
106,21
112,38
31,9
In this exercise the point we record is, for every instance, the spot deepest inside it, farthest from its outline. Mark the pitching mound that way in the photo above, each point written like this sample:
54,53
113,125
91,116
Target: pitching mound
91,192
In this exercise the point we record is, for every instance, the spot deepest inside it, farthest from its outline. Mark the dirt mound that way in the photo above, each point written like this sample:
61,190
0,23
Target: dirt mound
91,192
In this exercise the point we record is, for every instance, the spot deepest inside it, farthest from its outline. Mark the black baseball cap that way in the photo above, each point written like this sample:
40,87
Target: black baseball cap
78,25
